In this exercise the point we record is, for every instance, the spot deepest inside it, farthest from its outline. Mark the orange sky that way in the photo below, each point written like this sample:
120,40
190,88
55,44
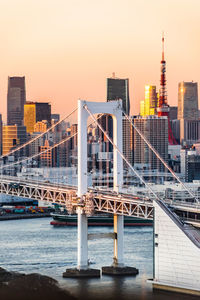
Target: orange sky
67,48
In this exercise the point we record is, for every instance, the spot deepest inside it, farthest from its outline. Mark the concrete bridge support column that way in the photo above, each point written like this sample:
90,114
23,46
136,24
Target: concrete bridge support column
118,267
82,270
82,239
118,241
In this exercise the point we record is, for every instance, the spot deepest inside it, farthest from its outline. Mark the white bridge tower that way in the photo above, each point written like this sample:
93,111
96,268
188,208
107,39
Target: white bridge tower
112,108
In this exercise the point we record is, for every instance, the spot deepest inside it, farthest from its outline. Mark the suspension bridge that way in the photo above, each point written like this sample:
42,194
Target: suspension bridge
176,244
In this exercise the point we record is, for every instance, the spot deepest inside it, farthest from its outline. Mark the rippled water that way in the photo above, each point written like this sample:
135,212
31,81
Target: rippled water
35,246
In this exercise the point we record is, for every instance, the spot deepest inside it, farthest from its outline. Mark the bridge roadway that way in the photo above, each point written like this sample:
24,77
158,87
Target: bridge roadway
102,201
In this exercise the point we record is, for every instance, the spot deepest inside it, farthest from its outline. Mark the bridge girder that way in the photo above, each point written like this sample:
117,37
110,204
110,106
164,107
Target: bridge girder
92,201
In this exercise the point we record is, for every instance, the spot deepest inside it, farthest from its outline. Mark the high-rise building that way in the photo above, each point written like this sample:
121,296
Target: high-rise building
175,127
74,130
61,155
119,89
188,112
189,131
46,157
186,132
13,136
105,151
128,140
116,89
35,146
190,165
173,111
74,144
149,105
55,117
16,98
40,126
155,130
34,112
188,101
174,123
142,113
1,125
29,116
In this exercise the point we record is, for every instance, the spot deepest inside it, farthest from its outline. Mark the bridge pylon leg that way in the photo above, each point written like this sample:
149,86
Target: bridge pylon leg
118,260
118,267
82,270
82,239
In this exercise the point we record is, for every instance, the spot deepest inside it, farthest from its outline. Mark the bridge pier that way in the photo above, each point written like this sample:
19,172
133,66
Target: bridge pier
82,239
118,259
118,268
82,270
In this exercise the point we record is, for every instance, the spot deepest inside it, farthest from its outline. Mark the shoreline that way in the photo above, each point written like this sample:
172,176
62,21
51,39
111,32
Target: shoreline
34,286
24,216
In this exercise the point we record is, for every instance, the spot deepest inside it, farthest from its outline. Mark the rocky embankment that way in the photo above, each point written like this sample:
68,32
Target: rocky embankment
18,286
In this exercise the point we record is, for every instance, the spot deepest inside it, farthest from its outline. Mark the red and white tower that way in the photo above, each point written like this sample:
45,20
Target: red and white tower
163,108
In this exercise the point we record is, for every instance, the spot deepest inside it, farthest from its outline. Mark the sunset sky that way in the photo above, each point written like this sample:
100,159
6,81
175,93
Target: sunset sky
67,48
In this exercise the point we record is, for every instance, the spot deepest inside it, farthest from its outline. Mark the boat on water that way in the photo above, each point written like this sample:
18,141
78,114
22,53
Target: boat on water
97,220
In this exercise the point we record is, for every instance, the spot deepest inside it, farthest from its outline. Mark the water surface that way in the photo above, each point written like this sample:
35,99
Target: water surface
34,246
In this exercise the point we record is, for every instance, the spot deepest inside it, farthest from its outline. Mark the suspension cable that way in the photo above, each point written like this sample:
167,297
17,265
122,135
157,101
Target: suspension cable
121,154
38,154
159,157
37,137
44,151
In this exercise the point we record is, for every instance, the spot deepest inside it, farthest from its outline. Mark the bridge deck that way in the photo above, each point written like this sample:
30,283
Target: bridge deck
104,201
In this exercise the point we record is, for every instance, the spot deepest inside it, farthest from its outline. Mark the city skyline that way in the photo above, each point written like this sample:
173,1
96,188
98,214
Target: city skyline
67,52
